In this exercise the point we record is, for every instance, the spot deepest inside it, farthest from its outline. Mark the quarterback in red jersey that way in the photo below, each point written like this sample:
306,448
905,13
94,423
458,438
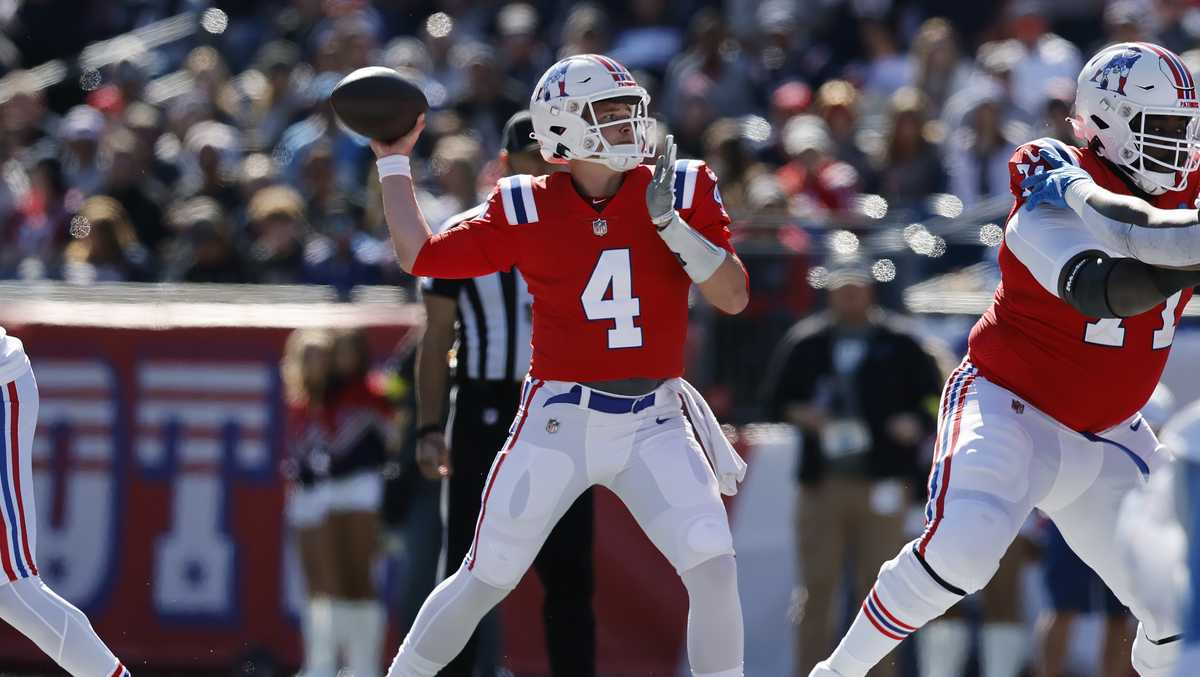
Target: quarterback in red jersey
609,250
1043,412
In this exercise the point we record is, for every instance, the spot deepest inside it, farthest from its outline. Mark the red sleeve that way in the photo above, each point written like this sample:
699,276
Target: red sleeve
480,246
1027,161
707,213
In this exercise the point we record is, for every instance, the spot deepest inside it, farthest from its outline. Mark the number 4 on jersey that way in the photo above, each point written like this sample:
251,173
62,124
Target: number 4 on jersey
613,271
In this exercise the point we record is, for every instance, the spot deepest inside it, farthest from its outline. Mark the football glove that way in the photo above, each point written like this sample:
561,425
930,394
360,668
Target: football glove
660,194
1050,187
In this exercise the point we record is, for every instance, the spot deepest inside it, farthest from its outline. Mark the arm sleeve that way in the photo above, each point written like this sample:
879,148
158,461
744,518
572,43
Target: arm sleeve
699,202
1108,217
1046,240
479,246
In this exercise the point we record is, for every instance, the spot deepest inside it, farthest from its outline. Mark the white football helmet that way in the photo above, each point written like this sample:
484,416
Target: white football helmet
564,120
1138,101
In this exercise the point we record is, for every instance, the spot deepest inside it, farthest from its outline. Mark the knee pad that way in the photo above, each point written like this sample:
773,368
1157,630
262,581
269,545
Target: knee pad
966,548
528,493
1155,658
703,538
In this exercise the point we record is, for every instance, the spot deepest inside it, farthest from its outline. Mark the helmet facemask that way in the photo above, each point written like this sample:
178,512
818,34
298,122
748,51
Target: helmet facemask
1167,143
640,142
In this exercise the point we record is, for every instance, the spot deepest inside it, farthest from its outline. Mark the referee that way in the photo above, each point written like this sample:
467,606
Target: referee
489,317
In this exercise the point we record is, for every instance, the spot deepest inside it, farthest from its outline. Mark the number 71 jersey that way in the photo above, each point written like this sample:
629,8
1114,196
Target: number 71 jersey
1087,373
610,300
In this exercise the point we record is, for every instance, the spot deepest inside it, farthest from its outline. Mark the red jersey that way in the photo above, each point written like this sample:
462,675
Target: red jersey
609,297
1088,373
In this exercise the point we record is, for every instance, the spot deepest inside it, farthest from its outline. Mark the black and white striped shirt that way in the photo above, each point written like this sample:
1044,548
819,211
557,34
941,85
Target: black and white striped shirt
495,315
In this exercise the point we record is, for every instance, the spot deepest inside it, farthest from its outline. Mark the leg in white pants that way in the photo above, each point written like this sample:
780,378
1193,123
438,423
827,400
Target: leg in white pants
1088,524
51,622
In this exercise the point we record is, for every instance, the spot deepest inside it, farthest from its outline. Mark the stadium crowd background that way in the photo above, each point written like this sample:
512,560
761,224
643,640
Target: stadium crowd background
201,149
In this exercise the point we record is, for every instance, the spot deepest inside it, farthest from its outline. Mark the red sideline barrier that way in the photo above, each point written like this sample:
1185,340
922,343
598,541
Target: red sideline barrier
160,508
159,499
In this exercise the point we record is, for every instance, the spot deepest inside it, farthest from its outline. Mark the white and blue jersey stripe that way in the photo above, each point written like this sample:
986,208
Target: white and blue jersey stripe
516,193
686,172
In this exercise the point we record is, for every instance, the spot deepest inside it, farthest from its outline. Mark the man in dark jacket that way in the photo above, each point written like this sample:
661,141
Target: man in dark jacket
863,393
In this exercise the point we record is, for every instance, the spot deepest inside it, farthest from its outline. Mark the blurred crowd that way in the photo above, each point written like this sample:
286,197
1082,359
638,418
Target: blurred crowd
212,156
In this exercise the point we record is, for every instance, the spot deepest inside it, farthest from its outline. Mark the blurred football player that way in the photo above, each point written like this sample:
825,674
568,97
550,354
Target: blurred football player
26,603
609,250
1043,412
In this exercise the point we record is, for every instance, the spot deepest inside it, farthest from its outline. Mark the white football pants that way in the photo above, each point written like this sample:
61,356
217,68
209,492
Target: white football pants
566,438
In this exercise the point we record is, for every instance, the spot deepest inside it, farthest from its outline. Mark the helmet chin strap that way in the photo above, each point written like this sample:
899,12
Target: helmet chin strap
617,163
1149,187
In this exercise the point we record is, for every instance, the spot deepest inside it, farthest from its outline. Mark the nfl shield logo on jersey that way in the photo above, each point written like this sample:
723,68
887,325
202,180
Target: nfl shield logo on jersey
600,227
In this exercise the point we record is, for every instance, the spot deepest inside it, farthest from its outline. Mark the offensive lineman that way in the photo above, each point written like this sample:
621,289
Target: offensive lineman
609,251
1043,412
26,603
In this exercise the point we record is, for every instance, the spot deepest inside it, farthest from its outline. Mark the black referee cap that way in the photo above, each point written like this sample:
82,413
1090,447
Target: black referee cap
517,133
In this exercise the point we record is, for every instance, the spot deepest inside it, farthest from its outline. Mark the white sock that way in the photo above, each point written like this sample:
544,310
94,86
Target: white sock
943,647
364,645
320,645
1005,649
904,598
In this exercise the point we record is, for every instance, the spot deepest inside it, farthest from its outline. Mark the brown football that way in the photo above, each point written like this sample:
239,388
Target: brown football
378,102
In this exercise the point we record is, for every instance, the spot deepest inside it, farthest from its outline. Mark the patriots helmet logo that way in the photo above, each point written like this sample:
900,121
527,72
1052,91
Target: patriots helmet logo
1118,68
554,82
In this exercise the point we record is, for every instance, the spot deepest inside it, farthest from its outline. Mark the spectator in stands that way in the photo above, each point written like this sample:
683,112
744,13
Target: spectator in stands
585,31
1176,24
525,55
710,69
977,155
279,102
1057,122
141,195
276,230
863,393
80,132
35,244
887,68
938,68
908,167
204,248
455,165
1045,55
489,97
26,119
146,123
726,152
105,246
212,157
819,186
837,103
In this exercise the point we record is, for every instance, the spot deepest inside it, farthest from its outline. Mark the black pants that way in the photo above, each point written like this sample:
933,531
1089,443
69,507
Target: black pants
483,412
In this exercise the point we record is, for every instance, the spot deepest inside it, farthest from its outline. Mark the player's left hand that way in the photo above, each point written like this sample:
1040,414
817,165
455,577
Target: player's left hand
660,194
1050,186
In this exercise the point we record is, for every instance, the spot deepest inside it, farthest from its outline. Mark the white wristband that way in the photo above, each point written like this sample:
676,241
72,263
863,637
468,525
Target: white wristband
393,165
700,258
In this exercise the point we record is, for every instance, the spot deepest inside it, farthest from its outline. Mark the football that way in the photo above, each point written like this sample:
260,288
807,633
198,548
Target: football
378,102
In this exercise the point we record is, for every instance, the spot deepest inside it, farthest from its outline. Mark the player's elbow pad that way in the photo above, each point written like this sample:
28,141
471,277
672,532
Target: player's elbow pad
1083,283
